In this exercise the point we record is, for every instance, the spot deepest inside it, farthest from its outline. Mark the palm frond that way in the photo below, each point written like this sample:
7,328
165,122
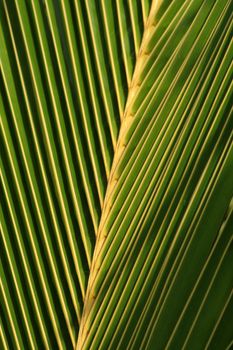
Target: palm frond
162,207
61,107
116,166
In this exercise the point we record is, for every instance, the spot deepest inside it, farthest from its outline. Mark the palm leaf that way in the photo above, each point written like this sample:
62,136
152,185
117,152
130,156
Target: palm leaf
116,163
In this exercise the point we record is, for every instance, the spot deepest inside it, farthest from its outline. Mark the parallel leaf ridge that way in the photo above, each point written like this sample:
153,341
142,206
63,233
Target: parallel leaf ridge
65,71
162,215
116,162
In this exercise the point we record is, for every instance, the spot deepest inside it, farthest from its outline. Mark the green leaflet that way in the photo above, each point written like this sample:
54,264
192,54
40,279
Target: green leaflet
116,162
60,115
174,148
